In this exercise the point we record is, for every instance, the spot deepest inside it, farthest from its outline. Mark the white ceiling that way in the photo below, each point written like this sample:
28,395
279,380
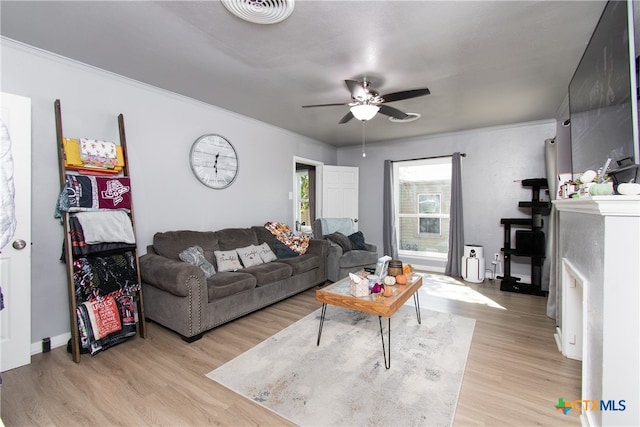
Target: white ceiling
485,62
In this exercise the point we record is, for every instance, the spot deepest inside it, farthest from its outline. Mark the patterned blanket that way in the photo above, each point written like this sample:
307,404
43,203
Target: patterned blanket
283,233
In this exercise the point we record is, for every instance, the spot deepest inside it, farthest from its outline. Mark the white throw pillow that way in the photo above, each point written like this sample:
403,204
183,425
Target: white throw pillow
227,260
249,256
265,252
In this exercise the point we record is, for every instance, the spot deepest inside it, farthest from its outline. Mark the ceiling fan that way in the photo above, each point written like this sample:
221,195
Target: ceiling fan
366,102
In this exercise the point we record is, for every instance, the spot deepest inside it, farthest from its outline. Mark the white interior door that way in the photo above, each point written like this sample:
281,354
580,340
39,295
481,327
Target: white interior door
340,193
15,255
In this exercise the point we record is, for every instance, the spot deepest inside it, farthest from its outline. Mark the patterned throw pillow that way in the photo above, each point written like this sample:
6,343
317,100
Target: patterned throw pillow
227,260
265,252
249,256
195,256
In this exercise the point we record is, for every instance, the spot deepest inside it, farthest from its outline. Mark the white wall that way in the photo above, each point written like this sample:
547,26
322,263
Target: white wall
497,159
160,128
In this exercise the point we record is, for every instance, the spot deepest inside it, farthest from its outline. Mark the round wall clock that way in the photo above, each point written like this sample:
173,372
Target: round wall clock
214,161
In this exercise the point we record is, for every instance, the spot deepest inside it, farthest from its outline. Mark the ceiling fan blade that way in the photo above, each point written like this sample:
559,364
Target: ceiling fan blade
405,94
356,88
346,118
393,112
325,105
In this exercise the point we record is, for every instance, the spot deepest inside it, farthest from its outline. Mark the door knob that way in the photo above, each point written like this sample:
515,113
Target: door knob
19,244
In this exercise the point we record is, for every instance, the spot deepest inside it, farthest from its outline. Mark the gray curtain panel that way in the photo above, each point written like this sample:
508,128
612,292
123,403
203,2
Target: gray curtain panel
549,268
390,246
456,223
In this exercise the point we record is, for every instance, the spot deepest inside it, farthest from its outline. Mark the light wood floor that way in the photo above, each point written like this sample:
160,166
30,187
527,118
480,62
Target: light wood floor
514,374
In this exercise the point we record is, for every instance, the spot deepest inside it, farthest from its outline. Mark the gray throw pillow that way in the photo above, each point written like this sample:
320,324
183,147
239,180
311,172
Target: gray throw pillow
340,240
195,256
357,241
283,251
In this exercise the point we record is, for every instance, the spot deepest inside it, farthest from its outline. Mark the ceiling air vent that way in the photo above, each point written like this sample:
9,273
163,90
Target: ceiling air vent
260,11
412,117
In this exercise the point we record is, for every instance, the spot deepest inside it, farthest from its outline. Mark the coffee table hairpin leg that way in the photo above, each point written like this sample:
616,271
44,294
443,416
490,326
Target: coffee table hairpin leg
387,357
387,351
324,311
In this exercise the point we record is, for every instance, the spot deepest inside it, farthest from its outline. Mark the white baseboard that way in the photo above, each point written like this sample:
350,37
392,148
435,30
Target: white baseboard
57,341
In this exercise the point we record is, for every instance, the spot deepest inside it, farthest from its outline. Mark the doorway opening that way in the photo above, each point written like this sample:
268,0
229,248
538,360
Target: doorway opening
305,205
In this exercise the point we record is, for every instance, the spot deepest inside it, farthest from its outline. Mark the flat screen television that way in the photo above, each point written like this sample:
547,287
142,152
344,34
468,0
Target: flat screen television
603,97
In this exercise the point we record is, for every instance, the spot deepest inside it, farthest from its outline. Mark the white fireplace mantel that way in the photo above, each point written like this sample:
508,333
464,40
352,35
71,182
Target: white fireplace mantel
599,247
601,205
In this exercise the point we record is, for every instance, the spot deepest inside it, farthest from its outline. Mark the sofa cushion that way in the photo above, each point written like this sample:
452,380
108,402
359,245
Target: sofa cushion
194,255
356,258
269,272
234,238
340,240
303,263
226,283
169,244
250,255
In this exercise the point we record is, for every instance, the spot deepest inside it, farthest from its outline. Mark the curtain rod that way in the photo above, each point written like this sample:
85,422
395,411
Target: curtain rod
425,158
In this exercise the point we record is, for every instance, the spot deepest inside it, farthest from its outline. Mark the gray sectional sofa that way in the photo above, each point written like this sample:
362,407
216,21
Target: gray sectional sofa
178,296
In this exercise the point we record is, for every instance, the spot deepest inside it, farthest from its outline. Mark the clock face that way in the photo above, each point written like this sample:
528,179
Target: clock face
214,161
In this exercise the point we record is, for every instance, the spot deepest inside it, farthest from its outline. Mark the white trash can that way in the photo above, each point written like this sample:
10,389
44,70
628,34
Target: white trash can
473,263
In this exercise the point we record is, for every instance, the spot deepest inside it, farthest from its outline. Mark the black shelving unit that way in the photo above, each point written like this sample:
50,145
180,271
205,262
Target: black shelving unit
530,241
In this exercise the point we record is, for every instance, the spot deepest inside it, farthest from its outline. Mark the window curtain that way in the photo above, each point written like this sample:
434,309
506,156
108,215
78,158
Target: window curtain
549,280
456,223
389,241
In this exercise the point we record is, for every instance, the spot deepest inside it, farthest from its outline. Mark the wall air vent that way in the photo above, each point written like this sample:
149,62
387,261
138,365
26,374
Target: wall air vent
260,11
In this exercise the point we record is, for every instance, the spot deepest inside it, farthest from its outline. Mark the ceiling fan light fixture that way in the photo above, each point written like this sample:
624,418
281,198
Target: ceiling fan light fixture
260,11
364,112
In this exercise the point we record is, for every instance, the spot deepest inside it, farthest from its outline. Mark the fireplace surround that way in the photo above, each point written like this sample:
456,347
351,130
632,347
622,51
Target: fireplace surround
599,301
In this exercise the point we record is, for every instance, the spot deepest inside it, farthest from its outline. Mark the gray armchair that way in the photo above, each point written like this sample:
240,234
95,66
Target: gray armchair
344,257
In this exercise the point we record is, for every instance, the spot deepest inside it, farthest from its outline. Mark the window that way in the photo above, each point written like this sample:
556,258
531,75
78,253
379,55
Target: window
422,199
428,206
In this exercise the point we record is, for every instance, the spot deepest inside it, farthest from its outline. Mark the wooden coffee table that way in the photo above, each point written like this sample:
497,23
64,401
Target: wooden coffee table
339,294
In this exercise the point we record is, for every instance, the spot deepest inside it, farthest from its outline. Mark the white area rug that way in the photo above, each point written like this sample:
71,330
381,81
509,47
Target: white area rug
343,382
